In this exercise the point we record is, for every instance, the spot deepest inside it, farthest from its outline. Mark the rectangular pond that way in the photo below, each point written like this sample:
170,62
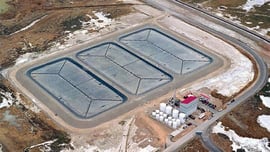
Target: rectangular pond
77,89
165,50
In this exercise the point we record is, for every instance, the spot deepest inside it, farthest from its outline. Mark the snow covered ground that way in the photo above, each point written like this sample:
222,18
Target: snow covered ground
25,58
241,68
265,101
97,23
248,144
7,99
264,121
251,3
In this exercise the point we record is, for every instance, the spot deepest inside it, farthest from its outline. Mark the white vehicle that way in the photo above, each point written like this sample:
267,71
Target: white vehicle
202,115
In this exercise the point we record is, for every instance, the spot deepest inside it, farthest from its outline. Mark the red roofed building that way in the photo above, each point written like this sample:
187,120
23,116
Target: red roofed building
189,105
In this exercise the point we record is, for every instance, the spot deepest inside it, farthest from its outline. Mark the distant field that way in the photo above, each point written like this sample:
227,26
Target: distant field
257,18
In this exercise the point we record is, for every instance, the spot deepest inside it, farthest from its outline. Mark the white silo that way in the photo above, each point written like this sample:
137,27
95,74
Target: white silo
157,111
161,113
161,118
162,107
169,110
175,113
178,122
170,118
174,125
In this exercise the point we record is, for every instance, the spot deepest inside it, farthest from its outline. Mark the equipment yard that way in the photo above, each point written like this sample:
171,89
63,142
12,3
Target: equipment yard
126,76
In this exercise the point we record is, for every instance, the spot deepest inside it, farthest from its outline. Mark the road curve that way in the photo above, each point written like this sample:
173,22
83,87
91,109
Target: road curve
258,84
207,142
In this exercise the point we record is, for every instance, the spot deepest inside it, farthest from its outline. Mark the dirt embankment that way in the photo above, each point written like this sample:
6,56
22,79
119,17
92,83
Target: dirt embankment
54,17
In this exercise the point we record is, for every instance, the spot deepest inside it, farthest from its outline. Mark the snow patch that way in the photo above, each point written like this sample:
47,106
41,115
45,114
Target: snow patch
92,148
265,101
32,107
88,148
79,36
241,68
248,144
45,146
264,121
7,99
251,3
99,23
29,26
25,58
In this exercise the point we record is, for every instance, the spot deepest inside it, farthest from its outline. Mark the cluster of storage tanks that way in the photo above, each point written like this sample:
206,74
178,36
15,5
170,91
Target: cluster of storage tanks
169,115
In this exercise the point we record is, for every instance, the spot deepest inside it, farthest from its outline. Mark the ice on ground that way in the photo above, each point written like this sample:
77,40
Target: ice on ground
264,121
238,142
265,101
7,99
237,76
251,3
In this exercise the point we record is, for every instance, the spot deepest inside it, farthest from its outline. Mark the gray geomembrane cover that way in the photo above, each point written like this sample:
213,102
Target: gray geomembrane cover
127,70
165,51
81,92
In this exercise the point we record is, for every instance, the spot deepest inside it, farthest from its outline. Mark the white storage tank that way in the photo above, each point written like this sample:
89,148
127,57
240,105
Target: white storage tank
161,118
165,115
169,110
161,113
175,113
178,122
166,121
170,118
170,123
174,125
154,114
182,117
157,116
162,107
157,111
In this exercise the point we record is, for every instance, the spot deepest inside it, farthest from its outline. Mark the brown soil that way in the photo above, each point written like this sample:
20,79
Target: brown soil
57,16
194,146
243,120
150,129
222,141
246,116
33,128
